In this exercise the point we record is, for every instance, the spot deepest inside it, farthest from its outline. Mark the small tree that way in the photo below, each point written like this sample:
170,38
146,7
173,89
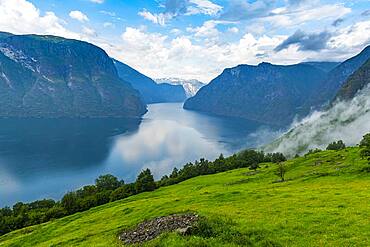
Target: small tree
365,147
281,170
145,181
365,141
339,145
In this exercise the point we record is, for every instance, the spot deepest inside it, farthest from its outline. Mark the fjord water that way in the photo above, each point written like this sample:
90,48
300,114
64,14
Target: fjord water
46,158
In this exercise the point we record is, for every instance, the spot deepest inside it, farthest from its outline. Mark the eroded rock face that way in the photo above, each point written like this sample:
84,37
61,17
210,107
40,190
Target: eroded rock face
151,229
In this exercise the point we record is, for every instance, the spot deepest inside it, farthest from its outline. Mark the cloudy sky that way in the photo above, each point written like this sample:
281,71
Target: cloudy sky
199,38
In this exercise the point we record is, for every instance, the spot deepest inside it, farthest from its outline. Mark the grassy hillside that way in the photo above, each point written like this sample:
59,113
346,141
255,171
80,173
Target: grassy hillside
324,202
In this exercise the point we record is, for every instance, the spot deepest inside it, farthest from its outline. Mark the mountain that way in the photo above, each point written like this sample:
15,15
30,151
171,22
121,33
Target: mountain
191,86
48,76
272,94
324,66
151,91
336,78
356,82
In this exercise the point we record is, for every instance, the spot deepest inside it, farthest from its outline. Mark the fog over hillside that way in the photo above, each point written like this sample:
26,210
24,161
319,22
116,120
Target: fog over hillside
346,120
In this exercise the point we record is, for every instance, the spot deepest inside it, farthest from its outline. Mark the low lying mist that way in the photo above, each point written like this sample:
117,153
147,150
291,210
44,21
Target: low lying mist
347,121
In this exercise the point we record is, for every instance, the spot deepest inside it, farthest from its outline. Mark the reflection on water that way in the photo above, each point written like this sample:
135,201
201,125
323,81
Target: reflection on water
46,158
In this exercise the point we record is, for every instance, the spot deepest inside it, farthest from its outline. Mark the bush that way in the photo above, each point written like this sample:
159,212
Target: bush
120,193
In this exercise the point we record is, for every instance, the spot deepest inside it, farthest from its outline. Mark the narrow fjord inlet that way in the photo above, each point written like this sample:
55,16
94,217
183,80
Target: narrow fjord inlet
65,154
176,123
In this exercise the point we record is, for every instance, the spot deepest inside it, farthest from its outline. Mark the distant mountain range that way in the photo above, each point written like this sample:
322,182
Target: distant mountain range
267,93
191,86
48,76
151,91
274,94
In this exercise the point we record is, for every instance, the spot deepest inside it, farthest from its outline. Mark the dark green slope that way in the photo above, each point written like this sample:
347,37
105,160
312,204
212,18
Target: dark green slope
356,82
47,76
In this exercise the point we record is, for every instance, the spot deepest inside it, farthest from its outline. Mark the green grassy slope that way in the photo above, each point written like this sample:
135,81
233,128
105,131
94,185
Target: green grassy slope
325,202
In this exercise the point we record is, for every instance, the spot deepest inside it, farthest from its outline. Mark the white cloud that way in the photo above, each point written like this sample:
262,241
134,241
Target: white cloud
233,30
97,1
78,15
159,56
322,128
21,16
175,8
203,7
207,30
352,36
202,53
160,19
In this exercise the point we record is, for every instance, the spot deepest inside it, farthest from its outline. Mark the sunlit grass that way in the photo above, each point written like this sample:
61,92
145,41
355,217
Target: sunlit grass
324,202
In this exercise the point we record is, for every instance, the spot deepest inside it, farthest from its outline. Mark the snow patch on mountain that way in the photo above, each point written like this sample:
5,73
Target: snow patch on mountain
191,87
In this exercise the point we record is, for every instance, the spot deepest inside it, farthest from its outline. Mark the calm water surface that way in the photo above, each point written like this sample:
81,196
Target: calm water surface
46,158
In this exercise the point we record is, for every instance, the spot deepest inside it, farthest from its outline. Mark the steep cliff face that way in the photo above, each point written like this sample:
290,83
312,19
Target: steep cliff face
267,93
47,76
355,83
151,91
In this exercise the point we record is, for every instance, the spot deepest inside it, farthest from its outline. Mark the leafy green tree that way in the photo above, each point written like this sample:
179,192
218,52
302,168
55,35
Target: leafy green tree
6,212
70,202
281,170
339,145
19,208
145,181
277,157
107,182
365,147
252,157
365,141
174,173
88,190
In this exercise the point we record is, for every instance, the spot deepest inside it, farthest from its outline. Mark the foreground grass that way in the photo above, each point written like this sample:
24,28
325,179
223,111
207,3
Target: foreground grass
325,202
